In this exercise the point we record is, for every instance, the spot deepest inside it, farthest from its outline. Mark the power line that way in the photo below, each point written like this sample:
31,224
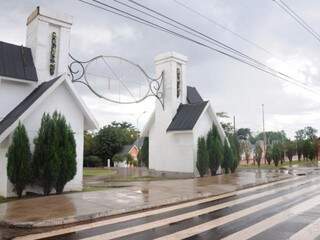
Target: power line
241,54
132,17
285,7
223,27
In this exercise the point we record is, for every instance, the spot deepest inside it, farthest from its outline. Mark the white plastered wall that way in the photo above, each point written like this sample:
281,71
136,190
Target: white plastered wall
60,100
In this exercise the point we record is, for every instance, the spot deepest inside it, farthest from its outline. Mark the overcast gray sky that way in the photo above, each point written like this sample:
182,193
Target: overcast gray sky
231,86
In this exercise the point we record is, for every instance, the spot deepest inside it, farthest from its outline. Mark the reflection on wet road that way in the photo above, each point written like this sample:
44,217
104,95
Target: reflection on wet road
289,209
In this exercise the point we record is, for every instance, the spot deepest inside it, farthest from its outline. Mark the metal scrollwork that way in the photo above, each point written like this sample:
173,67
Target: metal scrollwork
78,72
53,53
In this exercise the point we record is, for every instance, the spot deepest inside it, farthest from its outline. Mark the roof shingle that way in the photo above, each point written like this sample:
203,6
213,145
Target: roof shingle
17,62
187,116
193,96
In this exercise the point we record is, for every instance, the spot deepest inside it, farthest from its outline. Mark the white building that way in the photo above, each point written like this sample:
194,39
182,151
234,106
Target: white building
33,81
174,131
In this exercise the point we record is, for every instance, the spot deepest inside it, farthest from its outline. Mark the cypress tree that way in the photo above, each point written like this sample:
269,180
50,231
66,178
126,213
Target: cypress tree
215,150
144,153
19,160
66,151
46,161
235,148
202,157
227,157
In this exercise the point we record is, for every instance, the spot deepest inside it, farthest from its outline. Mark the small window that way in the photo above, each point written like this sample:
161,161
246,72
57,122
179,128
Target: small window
178,82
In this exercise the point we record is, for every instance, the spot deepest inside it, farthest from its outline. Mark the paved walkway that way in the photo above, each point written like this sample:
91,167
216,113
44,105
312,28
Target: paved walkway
74,207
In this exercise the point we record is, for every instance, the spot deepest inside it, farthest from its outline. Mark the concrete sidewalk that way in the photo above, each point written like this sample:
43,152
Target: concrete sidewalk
75,207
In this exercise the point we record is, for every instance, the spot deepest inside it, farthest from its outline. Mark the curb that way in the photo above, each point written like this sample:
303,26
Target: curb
109,213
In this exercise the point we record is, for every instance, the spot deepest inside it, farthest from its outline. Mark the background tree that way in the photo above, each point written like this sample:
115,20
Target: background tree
227,157
117,158
258,153
202,157
46,164
66,151
245,149
244,133
88,144
307,149
290,149
215,150
19,160
235,148
144,153
273,137
269,154
111,138
310,133
276,154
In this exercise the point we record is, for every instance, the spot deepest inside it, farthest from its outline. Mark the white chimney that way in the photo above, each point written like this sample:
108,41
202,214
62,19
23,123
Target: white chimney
48,36
173,66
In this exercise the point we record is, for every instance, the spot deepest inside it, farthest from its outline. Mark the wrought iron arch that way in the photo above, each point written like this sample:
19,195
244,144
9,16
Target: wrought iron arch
78,74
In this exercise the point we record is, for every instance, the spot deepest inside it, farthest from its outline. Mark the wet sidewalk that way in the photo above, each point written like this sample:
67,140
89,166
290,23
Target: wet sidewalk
74,207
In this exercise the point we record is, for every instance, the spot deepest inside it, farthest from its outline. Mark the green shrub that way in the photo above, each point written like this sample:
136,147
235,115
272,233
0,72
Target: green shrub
92,161
202,157
118,158
227,157
144,153
129,159
66,151
19,160
215,150
46,163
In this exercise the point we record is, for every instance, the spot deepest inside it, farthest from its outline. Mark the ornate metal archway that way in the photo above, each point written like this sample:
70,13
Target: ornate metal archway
79,73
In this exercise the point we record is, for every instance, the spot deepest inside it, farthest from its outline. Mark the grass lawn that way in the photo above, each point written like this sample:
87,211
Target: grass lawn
98,172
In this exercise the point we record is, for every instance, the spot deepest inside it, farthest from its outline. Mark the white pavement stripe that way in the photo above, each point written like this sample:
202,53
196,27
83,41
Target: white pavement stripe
164,209
276,219
312,231
233,216
189,215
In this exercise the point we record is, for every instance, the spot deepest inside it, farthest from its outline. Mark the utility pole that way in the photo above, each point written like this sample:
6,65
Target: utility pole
264,136
234,125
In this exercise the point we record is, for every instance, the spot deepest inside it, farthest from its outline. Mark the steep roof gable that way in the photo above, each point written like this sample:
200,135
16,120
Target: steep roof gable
15,114
187,116
17,62
34,98
193,95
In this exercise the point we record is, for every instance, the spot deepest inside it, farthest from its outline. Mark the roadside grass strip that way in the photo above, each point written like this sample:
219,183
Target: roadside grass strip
231,217
278,218
120,219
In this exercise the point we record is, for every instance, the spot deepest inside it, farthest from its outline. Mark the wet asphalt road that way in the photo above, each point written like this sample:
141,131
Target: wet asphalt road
287,209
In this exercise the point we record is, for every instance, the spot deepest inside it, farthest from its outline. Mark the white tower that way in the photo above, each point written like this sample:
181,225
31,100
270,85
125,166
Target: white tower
48,36
173,66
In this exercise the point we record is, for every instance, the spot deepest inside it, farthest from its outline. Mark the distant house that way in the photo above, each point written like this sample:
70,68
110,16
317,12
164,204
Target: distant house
132,149
33,82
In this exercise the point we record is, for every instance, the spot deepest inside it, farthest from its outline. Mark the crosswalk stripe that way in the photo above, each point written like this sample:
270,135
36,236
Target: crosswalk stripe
275,219
166,209
189,215
231,217
312,231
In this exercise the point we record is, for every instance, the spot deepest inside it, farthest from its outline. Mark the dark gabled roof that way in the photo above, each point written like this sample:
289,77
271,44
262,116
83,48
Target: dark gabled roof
17,62
11,117
186,117
193,96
